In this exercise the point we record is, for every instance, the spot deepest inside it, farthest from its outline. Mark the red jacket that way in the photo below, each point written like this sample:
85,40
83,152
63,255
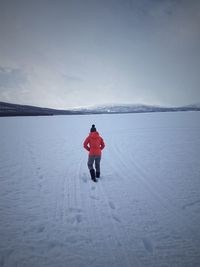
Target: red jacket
94,144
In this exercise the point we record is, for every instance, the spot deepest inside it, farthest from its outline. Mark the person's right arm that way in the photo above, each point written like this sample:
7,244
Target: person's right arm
102,144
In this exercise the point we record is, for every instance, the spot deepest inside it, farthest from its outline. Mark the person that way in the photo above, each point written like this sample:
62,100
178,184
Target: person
94,144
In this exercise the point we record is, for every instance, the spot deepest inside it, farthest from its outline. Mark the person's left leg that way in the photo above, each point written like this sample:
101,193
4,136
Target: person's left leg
90,167
90,162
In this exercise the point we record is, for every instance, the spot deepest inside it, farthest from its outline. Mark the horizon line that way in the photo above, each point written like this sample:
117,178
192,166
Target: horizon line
104,105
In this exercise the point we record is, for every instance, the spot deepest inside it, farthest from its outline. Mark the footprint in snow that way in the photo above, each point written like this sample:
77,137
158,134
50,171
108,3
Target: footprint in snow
93,187
75,216
147,245
74,210
84,178
112,205
93,197
76,219
116,218
54,244
190,204
40,229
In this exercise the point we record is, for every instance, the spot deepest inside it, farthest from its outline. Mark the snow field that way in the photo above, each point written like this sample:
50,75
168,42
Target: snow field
144,210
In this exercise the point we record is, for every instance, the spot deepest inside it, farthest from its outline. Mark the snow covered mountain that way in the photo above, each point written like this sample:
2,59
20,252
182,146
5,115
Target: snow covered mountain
8,109
134,108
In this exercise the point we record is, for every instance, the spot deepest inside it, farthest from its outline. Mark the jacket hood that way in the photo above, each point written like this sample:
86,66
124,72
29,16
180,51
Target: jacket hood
94,134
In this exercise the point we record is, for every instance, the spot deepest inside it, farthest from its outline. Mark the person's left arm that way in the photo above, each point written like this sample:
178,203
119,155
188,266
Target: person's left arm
86,144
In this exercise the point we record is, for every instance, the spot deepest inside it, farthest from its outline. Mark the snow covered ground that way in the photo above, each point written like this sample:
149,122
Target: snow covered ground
144,211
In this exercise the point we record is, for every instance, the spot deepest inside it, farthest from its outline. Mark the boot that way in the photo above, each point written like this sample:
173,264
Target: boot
92,173
98,174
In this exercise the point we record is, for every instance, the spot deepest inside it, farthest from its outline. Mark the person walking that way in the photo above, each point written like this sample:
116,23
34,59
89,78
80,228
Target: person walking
94,144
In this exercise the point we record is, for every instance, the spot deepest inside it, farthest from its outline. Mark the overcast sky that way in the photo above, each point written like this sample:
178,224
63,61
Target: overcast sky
69,53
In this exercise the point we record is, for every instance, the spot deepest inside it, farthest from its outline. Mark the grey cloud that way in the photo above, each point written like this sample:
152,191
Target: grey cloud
152,7
11,77
72,78
124,50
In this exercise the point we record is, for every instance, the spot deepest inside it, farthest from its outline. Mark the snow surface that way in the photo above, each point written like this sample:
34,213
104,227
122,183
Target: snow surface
144,210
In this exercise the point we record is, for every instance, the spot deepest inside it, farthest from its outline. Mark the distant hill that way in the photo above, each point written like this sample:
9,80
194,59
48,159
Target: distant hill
8,109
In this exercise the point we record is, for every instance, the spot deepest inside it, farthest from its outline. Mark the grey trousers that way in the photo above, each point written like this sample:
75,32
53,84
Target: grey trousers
91,160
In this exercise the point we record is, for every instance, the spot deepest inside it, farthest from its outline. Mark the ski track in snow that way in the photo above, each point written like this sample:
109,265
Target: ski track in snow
143,211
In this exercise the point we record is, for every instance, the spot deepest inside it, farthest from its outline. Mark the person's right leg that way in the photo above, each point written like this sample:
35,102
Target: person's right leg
97,165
